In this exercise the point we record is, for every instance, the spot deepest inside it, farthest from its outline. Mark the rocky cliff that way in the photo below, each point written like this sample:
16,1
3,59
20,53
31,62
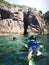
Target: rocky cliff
15,24
9,26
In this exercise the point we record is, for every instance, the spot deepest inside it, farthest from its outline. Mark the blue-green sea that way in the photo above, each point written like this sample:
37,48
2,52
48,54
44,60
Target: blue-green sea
15,53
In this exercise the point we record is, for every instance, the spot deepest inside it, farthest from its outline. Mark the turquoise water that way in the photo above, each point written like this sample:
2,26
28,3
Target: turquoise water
14,52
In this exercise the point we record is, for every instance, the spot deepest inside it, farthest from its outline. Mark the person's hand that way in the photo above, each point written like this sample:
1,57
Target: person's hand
39,53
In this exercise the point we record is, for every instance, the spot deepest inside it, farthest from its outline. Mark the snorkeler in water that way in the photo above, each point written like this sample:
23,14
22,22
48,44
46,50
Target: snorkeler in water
33,47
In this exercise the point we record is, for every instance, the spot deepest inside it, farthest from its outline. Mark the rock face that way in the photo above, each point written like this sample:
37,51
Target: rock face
41,22
17,26
12,22
36,23
10,26
4,14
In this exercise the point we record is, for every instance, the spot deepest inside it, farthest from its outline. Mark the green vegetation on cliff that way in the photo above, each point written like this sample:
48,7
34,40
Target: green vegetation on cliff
5,2
46,17
2,1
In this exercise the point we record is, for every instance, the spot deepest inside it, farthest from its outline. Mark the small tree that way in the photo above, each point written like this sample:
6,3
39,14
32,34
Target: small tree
46,17
40,11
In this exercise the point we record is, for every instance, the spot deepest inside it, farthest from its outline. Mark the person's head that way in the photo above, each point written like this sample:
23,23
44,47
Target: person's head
32,38
14,38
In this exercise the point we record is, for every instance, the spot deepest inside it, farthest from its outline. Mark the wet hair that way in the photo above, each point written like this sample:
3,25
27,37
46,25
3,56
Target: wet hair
14,38
32,38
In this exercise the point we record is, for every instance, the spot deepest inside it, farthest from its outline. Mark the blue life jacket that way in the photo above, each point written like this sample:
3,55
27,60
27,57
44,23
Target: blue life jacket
33,44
